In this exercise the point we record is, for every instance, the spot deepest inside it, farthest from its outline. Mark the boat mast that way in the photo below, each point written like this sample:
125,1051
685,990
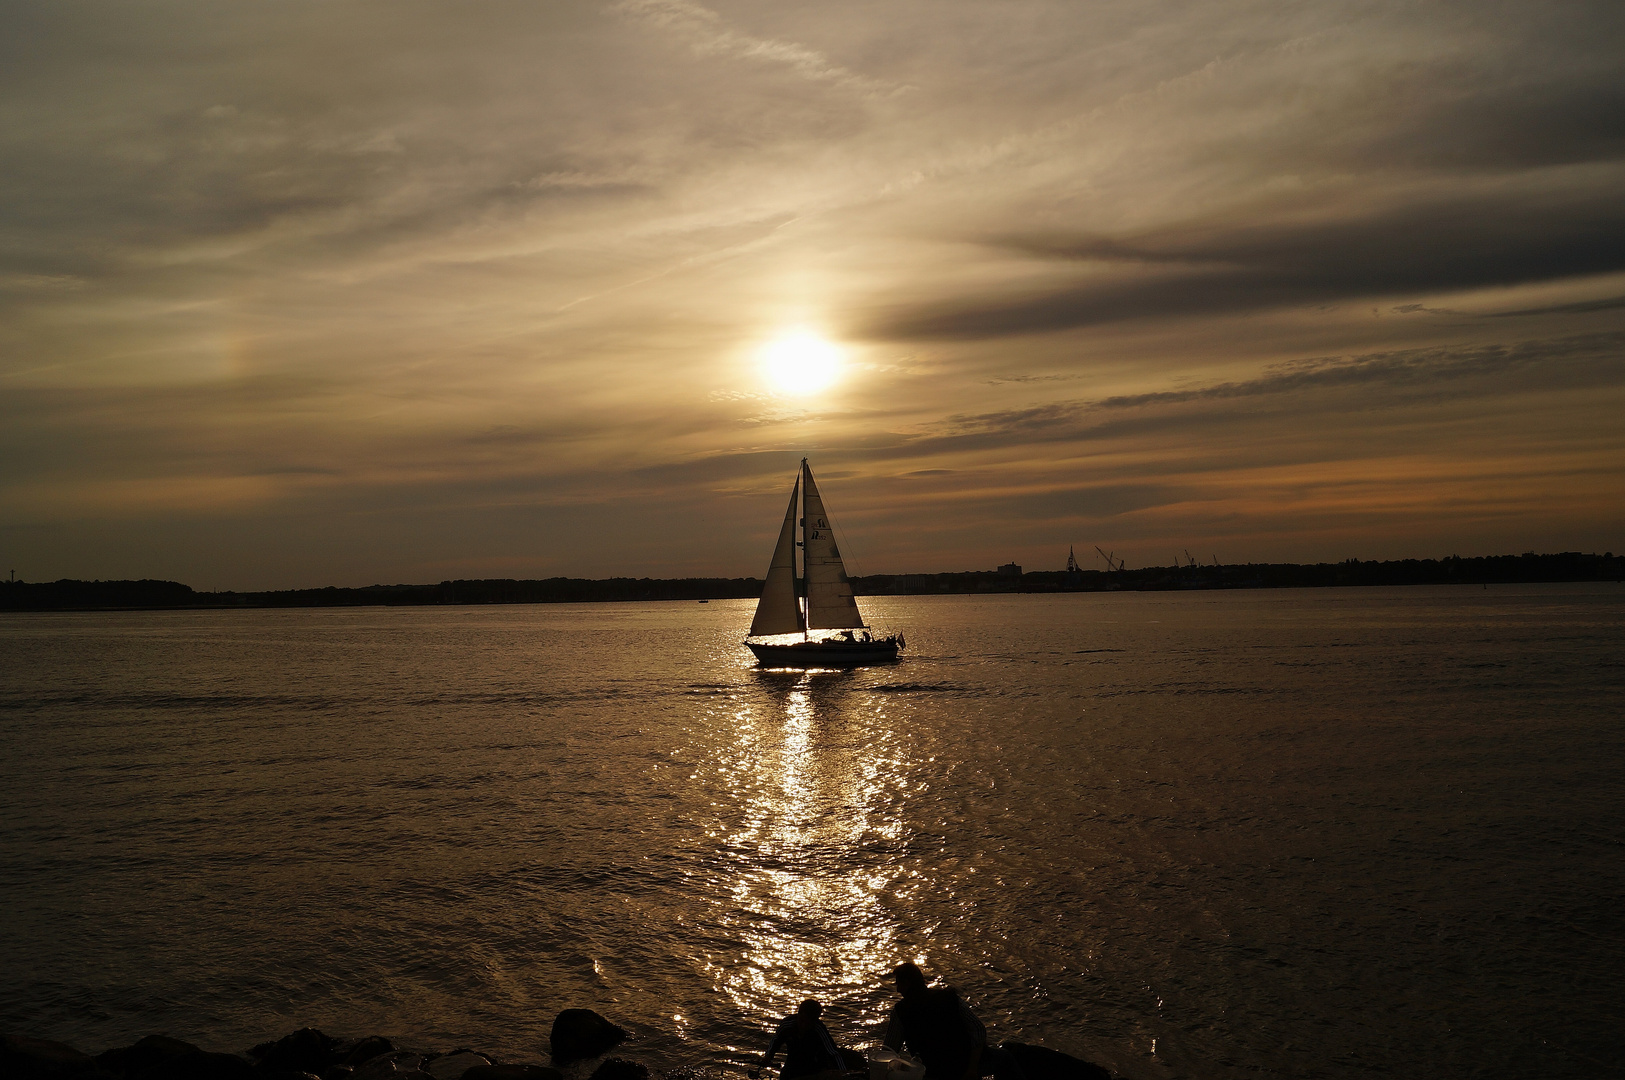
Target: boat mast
804,600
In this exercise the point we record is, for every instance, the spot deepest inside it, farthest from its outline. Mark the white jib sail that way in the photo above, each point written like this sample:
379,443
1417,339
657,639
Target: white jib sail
779,612
829,592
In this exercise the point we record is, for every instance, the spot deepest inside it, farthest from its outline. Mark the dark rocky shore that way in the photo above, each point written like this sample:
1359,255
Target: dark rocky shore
580,1038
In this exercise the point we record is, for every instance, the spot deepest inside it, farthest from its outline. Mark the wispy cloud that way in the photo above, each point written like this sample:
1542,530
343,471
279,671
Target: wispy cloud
1580,307
1387,379
709,34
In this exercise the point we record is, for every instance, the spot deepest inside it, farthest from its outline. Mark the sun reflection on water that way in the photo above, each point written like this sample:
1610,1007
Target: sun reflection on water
804,902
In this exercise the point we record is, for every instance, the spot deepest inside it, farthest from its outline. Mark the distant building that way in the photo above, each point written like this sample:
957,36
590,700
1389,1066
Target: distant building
1009,569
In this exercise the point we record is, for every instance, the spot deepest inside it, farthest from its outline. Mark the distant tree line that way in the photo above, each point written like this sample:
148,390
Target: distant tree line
67,595
1482,570
71,595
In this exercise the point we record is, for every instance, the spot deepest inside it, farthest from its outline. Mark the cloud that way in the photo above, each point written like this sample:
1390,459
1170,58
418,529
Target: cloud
1316,386
1218,268
1550,123
1569,363
709,34
1578,308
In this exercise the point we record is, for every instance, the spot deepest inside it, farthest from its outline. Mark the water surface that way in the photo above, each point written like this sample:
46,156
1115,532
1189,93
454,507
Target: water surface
1318,833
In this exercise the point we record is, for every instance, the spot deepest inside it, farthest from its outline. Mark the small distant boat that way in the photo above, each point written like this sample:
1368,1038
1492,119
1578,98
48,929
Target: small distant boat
826,590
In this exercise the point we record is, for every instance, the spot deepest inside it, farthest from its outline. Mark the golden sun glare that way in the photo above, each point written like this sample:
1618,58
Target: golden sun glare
801,362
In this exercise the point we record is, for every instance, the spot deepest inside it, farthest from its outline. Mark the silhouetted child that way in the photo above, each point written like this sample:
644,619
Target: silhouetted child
807,1044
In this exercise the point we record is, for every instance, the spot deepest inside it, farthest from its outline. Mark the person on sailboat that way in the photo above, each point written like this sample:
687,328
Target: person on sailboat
808,1047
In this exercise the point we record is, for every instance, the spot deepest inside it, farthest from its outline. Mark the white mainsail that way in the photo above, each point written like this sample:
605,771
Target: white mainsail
779,611
830,605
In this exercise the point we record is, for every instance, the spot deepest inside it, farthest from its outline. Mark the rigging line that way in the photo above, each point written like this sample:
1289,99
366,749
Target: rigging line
841,539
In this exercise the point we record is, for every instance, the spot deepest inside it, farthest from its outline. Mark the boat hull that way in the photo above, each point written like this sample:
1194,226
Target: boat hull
827,653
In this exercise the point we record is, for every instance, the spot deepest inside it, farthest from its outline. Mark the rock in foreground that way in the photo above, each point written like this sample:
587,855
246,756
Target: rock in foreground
582,1033
23,1058
306,1050
1042,1063
512,1072
620,1069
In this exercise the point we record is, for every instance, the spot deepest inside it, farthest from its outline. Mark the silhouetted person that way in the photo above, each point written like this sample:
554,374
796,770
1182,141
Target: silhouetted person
808,1048
936,1026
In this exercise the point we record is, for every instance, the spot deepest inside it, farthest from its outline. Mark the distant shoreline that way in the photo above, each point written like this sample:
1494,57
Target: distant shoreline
148,595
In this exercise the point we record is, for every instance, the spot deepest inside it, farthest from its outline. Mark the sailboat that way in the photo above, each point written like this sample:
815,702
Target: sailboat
827,592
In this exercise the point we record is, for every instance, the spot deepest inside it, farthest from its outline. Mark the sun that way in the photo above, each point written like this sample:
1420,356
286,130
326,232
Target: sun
801,362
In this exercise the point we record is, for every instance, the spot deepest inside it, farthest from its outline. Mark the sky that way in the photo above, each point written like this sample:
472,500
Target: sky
306,293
